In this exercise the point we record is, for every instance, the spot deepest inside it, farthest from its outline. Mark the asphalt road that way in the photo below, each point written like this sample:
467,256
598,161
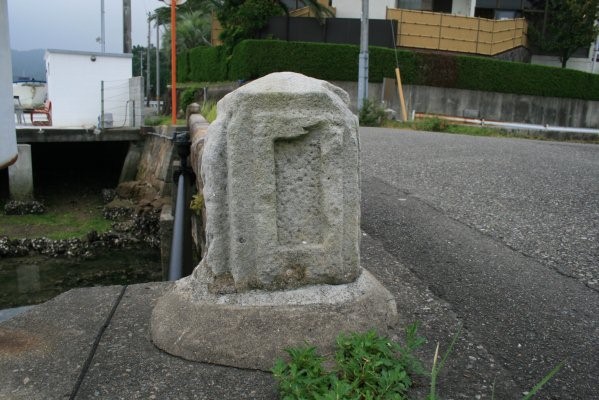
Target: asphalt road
506,231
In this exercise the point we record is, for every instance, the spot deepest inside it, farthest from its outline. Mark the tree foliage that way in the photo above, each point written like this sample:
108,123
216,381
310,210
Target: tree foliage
163,14
243,19
140,67
570,26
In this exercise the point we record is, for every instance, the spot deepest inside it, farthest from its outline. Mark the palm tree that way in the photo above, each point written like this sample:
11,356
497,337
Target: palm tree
197,14
193,30
243,19
163,14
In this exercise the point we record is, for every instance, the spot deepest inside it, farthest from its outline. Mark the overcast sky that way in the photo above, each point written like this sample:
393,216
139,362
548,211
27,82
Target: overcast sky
75,24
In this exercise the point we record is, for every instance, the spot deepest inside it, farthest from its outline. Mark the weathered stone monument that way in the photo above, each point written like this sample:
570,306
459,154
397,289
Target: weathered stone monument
280,174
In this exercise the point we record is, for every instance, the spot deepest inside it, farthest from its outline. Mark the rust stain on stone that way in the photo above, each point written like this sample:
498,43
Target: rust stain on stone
14,342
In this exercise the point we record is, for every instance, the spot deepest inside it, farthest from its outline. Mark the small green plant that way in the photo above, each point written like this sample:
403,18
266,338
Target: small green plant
197,202
154,120
543,381
162,120
371,114
434,124
367,366
438,366
208,110
187,97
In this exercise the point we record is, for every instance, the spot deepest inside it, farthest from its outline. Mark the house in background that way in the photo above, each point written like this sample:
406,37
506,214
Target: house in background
585,59
489,28
501,30
93,89
377,8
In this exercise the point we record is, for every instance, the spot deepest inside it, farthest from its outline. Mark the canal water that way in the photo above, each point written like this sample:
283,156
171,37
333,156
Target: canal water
35,279
70,176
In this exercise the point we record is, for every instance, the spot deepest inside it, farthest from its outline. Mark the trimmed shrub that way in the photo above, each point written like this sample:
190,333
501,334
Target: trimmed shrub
186,98
440,70
382,64
255,58
183,66
477,73
207,64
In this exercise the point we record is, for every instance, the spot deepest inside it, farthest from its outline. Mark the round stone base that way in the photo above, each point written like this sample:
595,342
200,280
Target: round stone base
252,329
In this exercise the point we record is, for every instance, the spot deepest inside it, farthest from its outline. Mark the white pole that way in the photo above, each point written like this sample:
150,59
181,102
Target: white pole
148,94
363,58
595,53
102,27
158,62
8,137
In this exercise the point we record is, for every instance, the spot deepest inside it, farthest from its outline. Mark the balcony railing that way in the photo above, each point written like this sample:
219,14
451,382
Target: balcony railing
445,32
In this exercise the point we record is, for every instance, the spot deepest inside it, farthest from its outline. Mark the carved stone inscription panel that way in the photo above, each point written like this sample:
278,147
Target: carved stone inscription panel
281,185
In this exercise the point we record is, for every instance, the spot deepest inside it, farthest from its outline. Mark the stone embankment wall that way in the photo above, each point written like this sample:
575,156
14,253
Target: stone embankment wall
505,107
492,106
155,169
155,164
198,128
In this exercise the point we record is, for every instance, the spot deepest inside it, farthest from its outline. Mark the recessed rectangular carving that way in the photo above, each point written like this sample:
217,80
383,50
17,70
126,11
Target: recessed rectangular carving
298,171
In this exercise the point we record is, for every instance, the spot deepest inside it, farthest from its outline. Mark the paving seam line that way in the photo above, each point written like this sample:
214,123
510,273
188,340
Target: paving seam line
92,351
446,214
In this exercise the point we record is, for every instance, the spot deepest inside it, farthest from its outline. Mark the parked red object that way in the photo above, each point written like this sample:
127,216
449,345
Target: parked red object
45,110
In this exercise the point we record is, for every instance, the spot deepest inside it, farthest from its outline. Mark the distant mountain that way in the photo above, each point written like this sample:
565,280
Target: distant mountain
29,63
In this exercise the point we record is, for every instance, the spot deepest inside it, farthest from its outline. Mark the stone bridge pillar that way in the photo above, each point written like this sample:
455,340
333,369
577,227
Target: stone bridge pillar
280,172
20,175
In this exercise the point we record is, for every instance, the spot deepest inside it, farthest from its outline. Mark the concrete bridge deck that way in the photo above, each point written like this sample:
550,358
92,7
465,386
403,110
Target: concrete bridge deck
21,173
51,134
95,343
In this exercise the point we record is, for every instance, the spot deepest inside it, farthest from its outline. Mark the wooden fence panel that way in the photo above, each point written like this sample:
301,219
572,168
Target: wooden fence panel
439,31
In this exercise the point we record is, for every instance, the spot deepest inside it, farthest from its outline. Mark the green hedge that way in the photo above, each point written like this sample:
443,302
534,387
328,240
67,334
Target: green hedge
207,64
183,67
487,74
255,58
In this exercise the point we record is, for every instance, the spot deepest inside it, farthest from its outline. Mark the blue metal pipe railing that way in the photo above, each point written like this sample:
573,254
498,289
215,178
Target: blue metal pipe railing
181,262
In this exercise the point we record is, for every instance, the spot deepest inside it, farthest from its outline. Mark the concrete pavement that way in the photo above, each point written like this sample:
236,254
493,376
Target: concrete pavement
538,197
506,232
94,343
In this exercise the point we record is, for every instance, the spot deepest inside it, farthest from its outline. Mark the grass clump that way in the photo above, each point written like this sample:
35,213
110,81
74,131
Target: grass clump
367,366
162,120
435,124
53,225
371,114
208,110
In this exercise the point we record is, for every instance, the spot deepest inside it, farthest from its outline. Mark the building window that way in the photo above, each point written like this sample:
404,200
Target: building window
426,5
507,14
423,5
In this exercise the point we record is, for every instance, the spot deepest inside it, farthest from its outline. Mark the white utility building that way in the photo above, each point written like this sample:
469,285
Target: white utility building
88,88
